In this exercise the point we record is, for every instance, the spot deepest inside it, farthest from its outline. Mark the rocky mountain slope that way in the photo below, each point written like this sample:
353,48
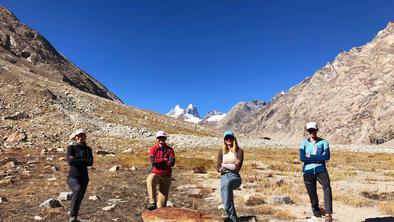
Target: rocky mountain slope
41,101
352,98
19,42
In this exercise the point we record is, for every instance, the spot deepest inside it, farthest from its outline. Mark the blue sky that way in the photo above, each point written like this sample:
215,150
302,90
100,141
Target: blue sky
156,54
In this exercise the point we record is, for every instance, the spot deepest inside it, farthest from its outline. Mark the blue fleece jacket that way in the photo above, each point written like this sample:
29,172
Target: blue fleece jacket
314,155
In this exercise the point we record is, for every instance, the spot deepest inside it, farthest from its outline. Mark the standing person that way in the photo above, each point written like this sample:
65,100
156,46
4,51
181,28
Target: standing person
162,159
314,152
229,163
79,156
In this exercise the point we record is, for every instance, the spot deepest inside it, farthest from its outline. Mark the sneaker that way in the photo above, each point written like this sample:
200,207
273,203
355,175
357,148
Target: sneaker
328,218
225,215
152,206
74,219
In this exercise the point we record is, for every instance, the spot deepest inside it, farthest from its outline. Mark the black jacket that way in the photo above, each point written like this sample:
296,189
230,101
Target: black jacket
83,158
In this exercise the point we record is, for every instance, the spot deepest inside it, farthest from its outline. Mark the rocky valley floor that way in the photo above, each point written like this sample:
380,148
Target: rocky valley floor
272,189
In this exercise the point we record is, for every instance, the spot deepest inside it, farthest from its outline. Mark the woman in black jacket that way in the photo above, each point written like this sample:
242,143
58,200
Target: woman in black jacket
79,156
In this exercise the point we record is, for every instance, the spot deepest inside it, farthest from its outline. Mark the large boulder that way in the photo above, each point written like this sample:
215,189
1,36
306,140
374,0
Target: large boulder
169,214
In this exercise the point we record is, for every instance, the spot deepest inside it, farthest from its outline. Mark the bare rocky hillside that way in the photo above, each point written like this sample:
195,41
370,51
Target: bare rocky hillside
44,97
352,98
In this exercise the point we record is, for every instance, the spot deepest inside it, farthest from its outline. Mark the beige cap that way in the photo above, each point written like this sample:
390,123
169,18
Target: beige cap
311,125
77,132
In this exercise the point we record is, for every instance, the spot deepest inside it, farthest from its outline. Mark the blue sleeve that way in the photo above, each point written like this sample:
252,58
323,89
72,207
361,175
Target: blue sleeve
303,158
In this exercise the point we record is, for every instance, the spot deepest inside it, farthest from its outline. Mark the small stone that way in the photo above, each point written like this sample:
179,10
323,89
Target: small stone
10,164
251,200
51,203
16,137
199,170
60,150
93,198
109,208
55,168
130,150
3,199
50,158
16,116
133,168
65,196
44,151
296,161
52,179
103,152
25,173
6,181
280,181
38,218
169,203
114,168
281,199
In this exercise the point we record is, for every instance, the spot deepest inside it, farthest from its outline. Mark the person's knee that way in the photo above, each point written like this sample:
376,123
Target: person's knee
327,188
77,188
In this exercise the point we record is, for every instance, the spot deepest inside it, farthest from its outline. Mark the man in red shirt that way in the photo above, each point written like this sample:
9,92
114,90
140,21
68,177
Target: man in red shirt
162,159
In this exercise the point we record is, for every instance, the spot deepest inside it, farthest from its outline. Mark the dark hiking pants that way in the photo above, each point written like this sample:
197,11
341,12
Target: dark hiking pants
78,186
310,184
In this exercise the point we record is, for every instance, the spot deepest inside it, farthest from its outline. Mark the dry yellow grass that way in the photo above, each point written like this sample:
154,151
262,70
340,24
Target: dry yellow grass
387,207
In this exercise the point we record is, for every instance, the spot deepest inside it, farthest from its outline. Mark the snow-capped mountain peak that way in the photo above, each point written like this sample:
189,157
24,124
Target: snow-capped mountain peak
176,112
192,110
189,115
214,116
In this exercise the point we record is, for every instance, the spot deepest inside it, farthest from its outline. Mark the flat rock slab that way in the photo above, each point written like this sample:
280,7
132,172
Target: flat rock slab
169,214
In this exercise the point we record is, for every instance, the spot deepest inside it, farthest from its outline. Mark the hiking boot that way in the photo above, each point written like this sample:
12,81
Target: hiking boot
328,218
316,213
225,215
152,206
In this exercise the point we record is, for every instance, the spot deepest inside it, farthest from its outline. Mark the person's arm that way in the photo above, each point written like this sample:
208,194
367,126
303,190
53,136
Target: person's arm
307,159
219,160
240,159
155,161
70,157
325,155
171,158
303,157
89,158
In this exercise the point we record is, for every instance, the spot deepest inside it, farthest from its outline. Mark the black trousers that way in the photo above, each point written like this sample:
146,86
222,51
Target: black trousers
78,186
310,184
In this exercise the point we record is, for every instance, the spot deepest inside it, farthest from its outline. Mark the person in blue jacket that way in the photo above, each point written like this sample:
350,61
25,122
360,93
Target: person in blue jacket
314,152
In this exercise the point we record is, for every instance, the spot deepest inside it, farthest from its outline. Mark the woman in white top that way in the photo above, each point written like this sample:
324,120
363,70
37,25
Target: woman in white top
229,162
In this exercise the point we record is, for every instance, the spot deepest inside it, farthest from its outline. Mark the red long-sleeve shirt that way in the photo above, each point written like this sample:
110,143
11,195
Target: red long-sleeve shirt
162,159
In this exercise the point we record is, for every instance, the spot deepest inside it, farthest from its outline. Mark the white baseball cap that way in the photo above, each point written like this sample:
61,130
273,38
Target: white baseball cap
77,132
161,134
311,125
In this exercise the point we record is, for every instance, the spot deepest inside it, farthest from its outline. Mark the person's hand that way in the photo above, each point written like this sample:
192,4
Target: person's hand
71,157
237,161
308,155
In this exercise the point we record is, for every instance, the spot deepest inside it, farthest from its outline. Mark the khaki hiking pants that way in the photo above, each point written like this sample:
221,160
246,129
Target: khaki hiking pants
164,183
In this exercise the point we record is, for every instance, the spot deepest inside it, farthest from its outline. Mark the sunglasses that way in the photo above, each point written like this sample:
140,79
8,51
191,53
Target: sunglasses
311,130
229,138
161,137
